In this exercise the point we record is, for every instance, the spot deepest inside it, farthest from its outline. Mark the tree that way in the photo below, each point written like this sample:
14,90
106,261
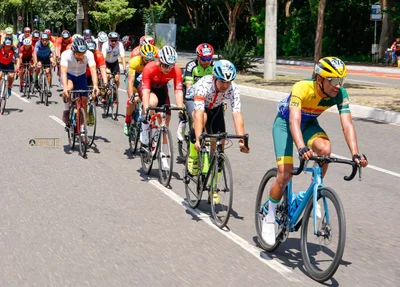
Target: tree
235,9
320,30
387,31
115,12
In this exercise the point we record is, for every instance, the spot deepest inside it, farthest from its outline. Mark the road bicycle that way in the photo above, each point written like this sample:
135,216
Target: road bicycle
183,145
92,120
318,211
4,90
27,87
135,127
158,129
111,97
77,127
214,175
44,87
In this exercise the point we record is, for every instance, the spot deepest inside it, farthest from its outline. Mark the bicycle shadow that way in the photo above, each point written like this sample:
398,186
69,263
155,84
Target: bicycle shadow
12,110
97,138
129,154
289,253
68,149
94,148
205,207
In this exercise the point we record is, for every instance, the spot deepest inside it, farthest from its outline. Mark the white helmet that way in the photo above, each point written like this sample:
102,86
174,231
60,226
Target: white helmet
27,42
168,55
76,36
102,37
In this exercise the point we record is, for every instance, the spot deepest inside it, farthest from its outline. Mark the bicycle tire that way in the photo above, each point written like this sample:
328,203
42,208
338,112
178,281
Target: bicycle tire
46,90
82,134
26,84
71,129
165,175
313,271
92,130
268,177
114,104
219,219
146,156
134,136
3,96
193,193
40,90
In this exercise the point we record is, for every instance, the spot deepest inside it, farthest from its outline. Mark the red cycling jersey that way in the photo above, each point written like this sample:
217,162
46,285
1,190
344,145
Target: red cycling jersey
26,53
34,41
6,56
62,45
153,77
53,40
99,59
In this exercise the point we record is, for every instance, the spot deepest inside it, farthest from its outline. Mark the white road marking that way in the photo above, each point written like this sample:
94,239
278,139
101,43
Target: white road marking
19,97
123,90
57,120
367,82
280,268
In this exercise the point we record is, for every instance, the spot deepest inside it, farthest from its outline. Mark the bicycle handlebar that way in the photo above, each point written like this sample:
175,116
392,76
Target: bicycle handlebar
225,135
164,108
325,159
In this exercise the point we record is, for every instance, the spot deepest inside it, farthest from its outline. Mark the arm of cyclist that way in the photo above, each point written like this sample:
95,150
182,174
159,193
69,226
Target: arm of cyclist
122,55
178,87
295,130
351,139
198,126
145,99
239,129
131,81
93,73
64,79
103,74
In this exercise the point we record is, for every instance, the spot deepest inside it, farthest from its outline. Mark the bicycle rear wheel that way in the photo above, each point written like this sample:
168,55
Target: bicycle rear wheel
221,190
26,84
193,185
83,133
45,90
146,155
323,252
71,128
114,104
165,157
261,209
3,96
92,122
134,136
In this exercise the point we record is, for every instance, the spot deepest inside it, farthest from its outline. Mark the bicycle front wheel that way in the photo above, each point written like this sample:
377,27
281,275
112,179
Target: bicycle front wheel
114,104
26,84
92,122
3,96
193,182
221,190
134,136
165,156
83,134
146,155
322,252
45,90
71,128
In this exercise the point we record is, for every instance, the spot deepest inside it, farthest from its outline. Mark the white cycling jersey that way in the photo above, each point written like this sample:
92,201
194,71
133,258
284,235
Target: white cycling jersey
76,68
111,54
205,95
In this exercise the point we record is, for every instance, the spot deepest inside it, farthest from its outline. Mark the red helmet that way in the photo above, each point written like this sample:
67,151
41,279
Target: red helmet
204,50
146,40
48,32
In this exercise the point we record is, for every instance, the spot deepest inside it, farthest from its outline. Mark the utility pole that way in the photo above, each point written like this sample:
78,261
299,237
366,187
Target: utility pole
80,15
270,40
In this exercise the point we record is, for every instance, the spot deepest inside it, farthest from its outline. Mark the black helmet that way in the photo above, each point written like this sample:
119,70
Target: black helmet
87,32
113,36
44,36
35,34
91,45
79,45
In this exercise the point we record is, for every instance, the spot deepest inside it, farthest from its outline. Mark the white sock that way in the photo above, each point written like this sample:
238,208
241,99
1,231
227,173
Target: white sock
165,148
271,211
144,134
66,106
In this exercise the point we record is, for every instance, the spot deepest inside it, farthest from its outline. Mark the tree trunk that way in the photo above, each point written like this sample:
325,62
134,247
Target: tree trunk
86,13
30,4
388,31
320,30
233,15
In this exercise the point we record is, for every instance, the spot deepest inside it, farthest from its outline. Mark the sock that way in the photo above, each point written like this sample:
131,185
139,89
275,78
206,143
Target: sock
272,204
192,151
165,148
128,119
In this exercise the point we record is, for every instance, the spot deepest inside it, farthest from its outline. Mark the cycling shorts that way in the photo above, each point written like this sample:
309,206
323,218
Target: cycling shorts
283,141
79,82
215,120
9,67
161,93
114,67
27,60
44,61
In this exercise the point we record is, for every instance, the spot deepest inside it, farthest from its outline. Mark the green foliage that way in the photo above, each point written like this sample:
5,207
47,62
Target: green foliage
238,54
160,42
114,12
154,14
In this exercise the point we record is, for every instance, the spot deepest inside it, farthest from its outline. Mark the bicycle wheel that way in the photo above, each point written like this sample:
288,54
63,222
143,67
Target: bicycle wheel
134,136
45,90
146,156
83,133
114,104
183,146
323,252
3,96
26,84
165,157
261,209
221,190
193,185
71,129
92,122
40,90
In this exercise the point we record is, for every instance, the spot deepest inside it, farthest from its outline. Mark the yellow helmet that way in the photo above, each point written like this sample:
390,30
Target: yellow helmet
331,67
148,52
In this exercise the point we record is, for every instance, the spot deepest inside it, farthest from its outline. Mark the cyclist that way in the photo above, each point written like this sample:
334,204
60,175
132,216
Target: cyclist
25,35
25,57
62,44
52,39
35,38
87,34
100,62
142,41
195,70
73,74
101,39
9,33
44,54
111,51
154,90
297,122
8,54
136,65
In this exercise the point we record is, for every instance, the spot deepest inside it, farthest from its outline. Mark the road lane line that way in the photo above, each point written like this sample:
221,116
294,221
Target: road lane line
256,252
368,82
19,97
57,120
123,90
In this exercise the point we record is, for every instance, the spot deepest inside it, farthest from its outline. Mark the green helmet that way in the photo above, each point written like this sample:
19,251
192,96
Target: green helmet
9,30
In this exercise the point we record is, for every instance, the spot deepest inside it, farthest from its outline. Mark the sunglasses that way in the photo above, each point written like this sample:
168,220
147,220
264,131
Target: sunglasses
335,81
79,54
165,66
204,59
113,41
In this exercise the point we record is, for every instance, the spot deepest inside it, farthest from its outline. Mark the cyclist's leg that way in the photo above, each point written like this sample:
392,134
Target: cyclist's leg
163,98
11,74
153,101
65,116
114,67
37,71
81,83
215,123
21,74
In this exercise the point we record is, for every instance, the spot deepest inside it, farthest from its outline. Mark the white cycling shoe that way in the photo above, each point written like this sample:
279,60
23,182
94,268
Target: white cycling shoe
268,232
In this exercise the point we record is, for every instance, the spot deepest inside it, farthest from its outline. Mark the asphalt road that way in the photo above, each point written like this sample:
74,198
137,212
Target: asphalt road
68,221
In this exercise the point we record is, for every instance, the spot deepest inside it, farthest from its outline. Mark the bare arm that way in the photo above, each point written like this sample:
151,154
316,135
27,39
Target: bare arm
131,80
294,123
145,99
239,123
103,74
349,133
179,98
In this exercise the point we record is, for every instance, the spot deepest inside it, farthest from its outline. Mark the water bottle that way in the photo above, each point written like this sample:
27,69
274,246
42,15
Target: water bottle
74,117
205,157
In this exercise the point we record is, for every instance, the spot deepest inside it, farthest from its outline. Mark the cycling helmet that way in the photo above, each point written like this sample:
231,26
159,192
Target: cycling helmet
87,32
91,45
9,30
8,41
102,37
224,70
44,36
168,55
35,34
205,50
148,52
331,67
113,36
146,40
79,45
27,42
65,34
75,36
19,32
27,29
48,32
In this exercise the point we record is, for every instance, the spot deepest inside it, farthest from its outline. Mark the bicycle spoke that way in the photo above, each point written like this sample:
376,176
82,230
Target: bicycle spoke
92,122
166,156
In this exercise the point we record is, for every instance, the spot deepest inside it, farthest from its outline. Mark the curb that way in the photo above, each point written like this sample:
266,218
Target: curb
357,111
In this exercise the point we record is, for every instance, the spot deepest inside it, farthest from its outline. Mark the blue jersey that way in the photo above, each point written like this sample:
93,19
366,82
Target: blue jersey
44,51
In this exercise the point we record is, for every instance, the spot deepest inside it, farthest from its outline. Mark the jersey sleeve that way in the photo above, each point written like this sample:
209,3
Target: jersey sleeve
121,50
100,61
132,66
200,94
178,78
297,95
343,103
90,58
146,77
51,46
188,77
58,43
235,98
64,59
